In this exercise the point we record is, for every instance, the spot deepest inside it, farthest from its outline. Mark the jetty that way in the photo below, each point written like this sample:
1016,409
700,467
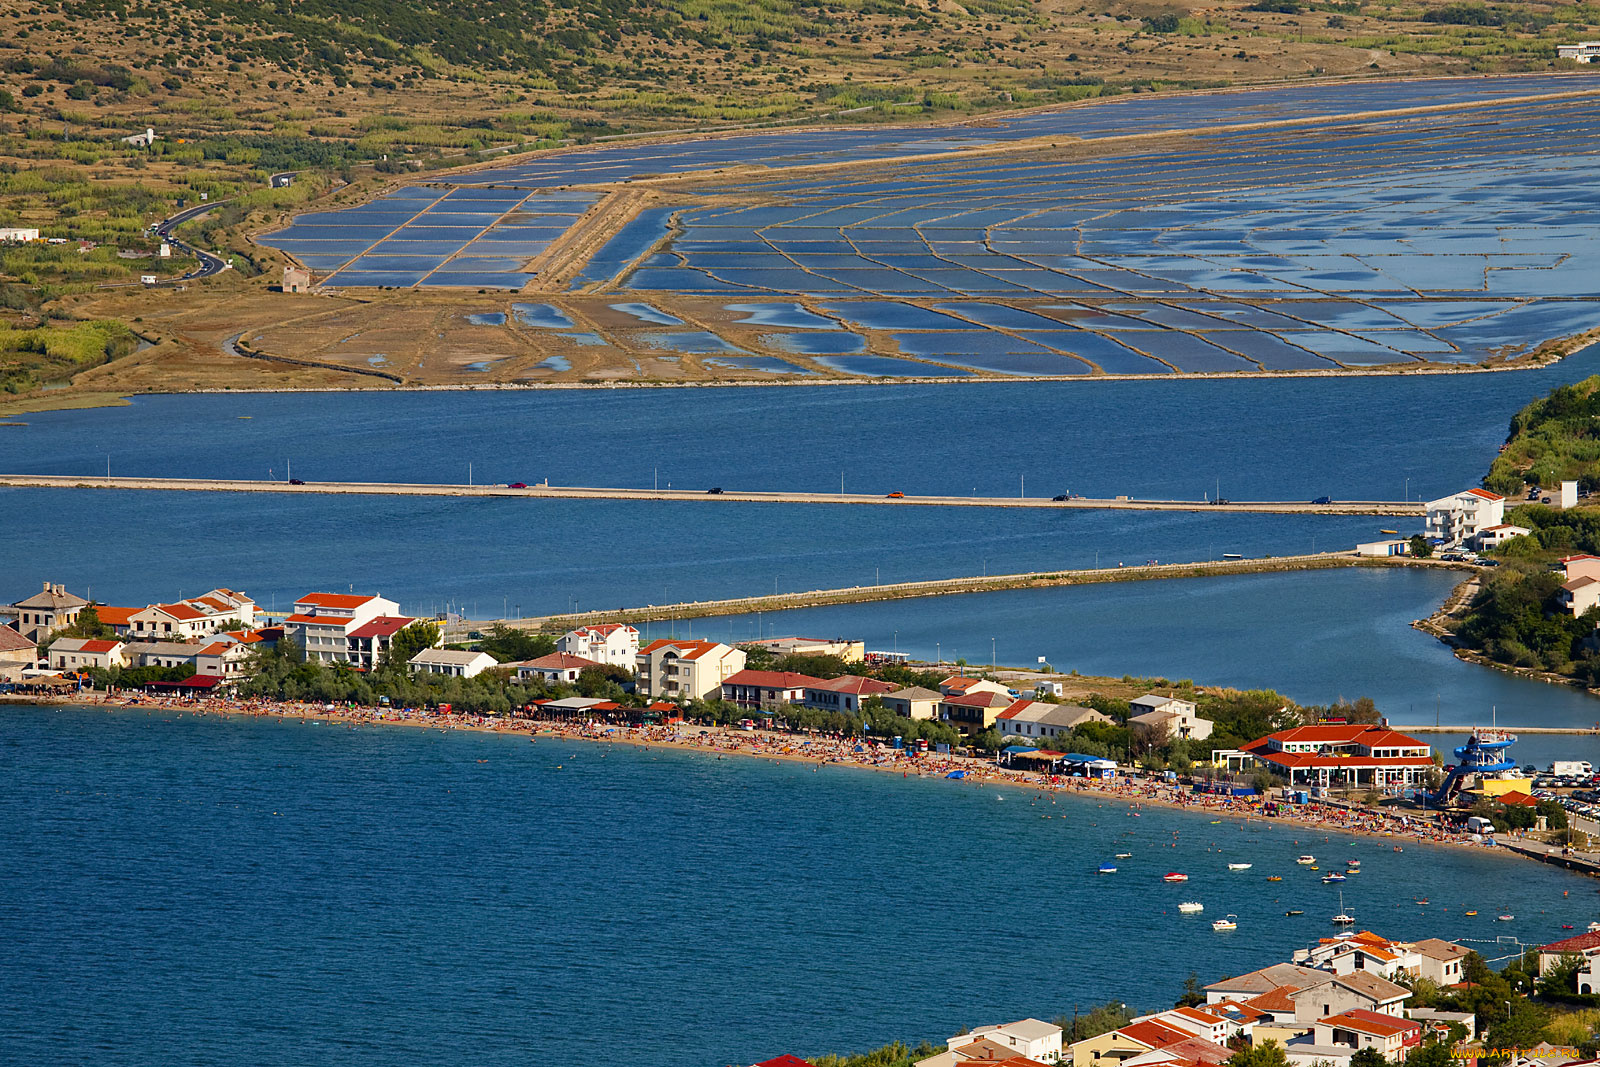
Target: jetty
989,583
715,494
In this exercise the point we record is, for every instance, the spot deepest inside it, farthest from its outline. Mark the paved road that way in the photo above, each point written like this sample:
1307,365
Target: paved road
564,492
210,265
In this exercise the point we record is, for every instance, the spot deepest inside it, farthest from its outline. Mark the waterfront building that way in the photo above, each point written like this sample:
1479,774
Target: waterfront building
1035,718
762,689
1586,946
1332,993
1126,1043
161,654
1582,52
45,611
611,642
1452,520
76,654
1348,754
322,623
1178,718
17,653
846,649
959,685
557,668
368,644
1253,984
913,703
451,663
1436,960
1026,1041
844,693
223,659
118,619
686,670
974,712
1357,1029
1495,536
173,622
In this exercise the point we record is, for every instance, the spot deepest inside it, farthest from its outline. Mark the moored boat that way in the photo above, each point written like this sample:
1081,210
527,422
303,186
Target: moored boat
1174,876
1332,877
1274,877
1108,868
1189,907
1306,861
1239,866
1230,923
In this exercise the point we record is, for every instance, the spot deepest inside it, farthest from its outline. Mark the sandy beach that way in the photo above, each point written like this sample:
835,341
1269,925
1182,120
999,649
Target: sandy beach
820,751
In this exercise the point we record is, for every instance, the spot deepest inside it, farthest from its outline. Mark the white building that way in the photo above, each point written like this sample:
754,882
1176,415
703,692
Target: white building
451,663
1495,536
1582,52
322,623
558,668
610,642
1384,548
846,649
222,659
1031,1039
1035,719
173,622
77,653
142,140
1456,519
686,670
17,235
1177,717
367,645
913,703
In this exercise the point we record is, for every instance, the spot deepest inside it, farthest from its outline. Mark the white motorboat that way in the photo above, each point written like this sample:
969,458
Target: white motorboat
1189,907
1240,866
1306,861
1225,924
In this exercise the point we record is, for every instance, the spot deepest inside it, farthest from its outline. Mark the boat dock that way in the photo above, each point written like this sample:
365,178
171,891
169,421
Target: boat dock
717,495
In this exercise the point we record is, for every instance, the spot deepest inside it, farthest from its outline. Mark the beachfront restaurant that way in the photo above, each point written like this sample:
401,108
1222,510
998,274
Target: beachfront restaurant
1073,764
1340,755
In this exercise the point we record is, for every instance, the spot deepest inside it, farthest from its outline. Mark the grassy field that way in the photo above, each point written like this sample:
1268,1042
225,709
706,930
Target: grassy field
354,94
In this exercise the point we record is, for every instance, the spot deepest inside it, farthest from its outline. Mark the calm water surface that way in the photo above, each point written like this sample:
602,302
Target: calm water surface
186,891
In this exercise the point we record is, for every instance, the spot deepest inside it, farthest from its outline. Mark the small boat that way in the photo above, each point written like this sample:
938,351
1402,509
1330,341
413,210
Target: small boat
1239,866
1274,878
1469,913
1424,900
1566,926
1295,911
1216,822
1504,918
1306,861
1344,918
1189,907
1389,532
1352,863
1225,924
1108,868
1174,876
1353,870
1332,877
1124,855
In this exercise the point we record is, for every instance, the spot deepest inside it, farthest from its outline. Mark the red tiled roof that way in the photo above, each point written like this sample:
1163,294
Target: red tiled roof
333,600
1484,493
319,620
1274,1000
383,626
979,700
1371,1022
1345,734
1196,1051
215,648
773,680
851,683
559,661
1154,1034
784,1061
98,646
1579,943
686,649
181,612
1518,798
115,616
604,629
1311,759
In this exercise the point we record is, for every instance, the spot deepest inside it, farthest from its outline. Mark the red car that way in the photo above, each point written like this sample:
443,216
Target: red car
517,485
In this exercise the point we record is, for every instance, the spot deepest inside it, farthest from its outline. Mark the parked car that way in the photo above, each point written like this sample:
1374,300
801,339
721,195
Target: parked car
1544,500
517,485
715,489
897,495
1323,500
1061,496
296,481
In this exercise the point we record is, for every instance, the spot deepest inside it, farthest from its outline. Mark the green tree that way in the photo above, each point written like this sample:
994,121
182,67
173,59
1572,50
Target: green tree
1562,978
508,645
1368,1057
1430,1054
1194,993
1267,1054
1419,546
408,642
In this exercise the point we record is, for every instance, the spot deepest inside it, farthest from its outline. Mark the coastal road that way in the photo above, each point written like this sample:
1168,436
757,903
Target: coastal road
210,265
573,492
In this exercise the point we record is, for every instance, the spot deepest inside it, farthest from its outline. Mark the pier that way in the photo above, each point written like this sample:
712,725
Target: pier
1388,508
989,583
